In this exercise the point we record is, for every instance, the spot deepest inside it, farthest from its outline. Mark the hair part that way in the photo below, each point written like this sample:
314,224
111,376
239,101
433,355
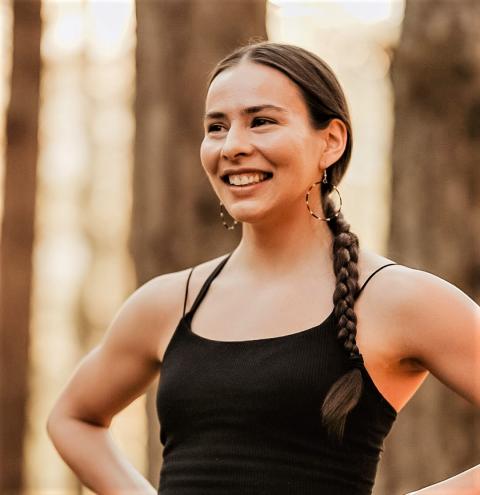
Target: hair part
325,101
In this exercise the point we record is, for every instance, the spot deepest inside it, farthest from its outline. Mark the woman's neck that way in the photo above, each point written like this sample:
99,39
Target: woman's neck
292,245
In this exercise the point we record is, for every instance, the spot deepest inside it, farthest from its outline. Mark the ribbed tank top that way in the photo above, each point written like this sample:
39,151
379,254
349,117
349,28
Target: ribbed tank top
243,417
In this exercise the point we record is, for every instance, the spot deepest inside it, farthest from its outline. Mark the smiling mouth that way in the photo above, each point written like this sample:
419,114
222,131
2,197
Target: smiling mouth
246,179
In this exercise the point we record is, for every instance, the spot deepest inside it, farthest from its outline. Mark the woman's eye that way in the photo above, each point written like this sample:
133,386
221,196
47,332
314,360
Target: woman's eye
256,121
260,120
214,127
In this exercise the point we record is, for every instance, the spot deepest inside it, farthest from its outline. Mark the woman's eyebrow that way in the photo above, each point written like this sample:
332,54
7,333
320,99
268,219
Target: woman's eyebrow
245,111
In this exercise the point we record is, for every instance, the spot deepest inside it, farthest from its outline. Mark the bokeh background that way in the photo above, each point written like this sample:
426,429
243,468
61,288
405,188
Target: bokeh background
102,189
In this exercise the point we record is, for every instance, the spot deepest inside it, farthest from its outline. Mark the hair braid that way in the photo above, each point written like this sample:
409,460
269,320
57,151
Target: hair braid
345,393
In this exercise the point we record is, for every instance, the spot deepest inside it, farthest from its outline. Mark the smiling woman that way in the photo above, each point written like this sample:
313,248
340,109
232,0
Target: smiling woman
263,110
277,378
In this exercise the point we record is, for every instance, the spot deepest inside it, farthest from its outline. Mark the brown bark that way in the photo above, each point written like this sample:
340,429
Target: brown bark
435,222
175,213
17,240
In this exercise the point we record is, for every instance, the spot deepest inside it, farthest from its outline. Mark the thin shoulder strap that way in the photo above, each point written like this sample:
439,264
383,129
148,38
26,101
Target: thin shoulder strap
207,283
370,276
186,291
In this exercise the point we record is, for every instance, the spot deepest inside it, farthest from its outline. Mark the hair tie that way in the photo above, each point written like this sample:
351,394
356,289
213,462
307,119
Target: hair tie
356,361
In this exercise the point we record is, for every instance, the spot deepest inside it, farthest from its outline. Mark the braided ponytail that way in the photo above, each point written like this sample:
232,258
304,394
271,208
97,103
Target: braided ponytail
345,393
325,100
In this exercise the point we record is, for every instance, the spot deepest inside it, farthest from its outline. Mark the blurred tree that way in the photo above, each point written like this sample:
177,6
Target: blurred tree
17,240
435,223
175,214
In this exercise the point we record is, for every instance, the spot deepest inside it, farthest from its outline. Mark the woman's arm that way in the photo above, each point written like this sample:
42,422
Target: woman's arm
91,453
109,378
445,339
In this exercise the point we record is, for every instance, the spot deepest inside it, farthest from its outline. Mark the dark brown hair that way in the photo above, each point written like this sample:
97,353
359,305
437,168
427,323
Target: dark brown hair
325,100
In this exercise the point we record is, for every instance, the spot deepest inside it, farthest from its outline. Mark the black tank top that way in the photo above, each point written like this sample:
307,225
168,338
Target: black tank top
243,417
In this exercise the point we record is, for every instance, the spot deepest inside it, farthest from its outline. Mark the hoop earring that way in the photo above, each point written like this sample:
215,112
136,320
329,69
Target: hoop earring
222,216
307,196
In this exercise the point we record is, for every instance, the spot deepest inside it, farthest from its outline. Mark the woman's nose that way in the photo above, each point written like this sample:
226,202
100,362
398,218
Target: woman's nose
236,143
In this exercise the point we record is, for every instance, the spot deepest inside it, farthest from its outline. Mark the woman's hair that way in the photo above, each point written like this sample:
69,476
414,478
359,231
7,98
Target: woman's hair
325,100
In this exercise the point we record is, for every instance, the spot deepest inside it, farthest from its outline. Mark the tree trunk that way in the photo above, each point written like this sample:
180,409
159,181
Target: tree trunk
435,223
175,220
17,240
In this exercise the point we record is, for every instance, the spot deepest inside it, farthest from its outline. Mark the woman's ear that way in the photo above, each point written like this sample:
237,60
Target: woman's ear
335,137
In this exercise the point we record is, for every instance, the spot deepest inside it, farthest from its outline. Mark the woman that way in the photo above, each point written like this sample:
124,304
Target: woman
256,396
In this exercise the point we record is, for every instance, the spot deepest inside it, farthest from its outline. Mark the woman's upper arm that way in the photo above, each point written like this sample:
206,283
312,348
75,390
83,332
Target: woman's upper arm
443,332
122,366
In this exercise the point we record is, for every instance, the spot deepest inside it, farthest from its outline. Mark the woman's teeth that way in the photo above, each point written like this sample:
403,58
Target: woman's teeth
246,179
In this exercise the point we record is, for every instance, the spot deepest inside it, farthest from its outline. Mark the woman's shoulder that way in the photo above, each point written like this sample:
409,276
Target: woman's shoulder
400,289
401,285
416,306
370,261
151,311
164,294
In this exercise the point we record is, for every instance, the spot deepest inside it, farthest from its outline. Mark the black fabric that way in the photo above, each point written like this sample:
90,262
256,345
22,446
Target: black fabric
243,417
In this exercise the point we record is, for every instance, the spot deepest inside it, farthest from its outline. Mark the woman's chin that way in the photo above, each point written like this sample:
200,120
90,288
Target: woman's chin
242,214
250,216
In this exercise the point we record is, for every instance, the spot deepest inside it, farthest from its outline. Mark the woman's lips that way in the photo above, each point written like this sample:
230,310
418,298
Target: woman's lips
247,188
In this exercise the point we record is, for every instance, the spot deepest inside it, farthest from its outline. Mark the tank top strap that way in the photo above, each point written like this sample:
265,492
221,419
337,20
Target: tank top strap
186,291
207,284
370,276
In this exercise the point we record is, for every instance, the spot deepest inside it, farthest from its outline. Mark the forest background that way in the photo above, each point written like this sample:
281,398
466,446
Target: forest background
102,188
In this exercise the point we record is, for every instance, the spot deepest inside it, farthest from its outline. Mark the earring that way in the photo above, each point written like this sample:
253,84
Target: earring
324,180
222,216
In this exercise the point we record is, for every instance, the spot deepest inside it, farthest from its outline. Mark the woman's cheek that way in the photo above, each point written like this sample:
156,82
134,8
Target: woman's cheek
208,157
278,145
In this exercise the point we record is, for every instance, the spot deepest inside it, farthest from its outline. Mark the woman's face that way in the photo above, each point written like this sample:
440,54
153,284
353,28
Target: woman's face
260,151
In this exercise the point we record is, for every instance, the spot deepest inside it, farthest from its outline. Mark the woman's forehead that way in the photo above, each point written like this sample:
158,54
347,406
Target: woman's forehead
250,84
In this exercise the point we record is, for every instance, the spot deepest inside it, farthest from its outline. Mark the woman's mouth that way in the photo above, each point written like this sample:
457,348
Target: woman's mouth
246,179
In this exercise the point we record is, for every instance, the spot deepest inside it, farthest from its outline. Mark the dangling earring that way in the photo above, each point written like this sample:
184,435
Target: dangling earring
324,180
222,216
